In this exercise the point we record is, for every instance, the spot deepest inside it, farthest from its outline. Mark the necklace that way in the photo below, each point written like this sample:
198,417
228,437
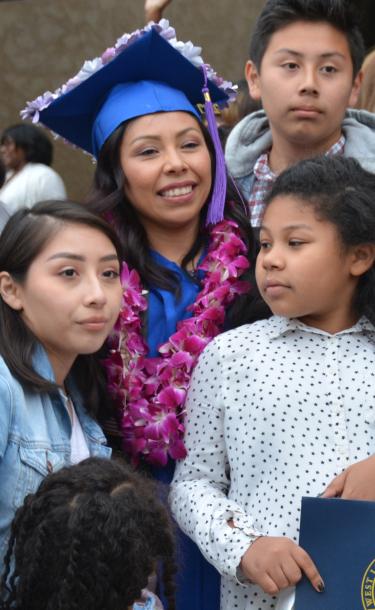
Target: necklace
150,392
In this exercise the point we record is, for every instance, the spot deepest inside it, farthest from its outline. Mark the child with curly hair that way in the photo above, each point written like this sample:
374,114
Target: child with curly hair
294,416
88,539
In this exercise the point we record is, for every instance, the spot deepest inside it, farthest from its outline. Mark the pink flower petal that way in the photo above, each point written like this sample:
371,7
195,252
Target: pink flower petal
152,391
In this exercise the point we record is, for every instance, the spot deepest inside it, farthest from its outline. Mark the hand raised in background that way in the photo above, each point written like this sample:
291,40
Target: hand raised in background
154,9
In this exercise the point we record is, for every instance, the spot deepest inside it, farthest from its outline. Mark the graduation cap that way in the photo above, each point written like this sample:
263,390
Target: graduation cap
146,72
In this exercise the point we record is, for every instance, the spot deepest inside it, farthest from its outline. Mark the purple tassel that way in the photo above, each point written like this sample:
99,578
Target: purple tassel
215,212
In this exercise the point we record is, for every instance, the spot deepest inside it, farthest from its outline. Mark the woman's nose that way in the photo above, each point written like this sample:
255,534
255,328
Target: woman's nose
174,161
95,293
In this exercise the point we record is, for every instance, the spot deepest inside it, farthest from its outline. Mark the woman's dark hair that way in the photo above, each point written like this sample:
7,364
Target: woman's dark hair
32,140
24,236
88,539
107,197
277,14
343,193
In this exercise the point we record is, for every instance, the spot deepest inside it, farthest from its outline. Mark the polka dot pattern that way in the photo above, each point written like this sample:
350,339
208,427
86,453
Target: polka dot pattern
275,410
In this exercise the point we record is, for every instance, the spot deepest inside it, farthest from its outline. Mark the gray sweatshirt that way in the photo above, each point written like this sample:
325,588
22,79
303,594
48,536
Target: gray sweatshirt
252,136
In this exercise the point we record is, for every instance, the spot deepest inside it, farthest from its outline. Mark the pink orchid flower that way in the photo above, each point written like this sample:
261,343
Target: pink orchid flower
152,391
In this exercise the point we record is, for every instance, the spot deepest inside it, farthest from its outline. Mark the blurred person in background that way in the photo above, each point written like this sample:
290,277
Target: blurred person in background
3,211
2,173
27,153
243,105
154,9
366,98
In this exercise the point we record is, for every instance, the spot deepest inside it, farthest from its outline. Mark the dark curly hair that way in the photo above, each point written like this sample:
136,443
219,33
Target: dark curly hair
88,539
341,192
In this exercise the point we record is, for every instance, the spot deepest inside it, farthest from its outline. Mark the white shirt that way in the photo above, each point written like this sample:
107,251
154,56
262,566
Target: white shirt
34,182
79,449
275,410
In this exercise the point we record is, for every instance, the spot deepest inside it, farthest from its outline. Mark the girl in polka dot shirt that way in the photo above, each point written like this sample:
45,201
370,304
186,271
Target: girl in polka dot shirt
285,407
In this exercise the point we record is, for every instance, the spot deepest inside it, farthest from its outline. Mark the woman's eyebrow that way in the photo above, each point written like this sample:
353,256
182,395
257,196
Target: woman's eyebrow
78,257
151,136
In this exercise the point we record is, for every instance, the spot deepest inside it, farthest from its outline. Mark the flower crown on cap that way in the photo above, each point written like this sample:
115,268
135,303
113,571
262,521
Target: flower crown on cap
90,67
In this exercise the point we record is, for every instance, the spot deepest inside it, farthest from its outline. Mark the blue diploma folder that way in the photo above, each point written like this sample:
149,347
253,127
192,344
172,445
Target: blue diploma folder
339,535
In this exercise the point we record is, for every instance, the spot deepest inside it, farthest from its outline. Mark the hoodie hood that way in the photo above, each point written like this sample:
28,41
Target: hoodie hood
252,136
246,142
359,130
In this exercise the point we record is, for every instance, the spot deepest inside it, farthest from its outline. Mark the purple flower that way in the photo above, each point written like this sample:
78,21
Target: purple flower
131,284
108,55
171,397
33,108
152,391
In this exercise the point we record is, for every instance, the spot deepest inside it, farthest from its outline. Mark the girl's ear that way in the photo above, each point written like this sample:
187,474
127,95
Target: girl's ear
10,291
363,259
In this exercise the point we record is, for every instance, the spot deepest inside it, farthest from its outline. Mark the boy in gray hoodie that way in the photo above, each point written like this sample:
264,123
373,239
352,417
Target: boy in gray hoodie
305,60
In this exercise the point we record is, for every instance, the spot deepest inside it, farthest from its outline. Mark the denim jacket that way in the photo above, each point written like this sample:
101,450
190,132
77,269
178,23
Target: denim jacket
35,431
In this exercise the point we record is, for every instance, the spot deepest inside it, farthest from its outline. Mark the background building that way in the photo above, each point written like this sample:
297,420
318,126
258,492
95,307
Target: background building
44,42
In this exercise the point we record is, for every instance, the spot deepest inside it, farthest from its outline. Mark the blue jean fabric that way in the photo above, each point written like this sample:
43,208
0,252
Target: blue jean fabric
35,431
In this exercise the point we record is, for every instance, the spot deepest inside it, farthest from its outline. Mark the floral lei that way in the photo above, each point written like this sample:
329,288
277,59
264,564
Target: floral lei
151,392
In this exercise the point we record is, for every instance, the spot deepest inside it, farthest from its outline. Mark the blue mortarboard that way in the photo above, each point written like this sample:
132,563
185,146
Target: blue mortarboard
144,76
89,113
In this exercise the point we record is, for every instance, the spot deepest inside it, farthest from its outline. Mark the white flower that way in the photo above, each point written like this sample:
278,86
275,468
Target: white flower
165,30
189,51
89,68
122,41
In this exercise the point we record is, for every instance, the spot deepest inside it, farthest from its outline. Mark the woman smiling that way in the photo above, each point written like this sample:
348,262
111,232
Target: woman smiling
187,242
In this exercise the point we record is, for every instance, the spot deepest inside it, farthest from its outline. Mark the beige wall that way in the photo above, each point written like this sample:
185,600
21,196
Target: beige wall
44,42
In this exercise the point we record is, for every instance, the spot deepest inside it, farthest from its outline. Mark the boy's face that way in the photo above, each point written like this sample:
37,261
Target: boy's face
305,83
